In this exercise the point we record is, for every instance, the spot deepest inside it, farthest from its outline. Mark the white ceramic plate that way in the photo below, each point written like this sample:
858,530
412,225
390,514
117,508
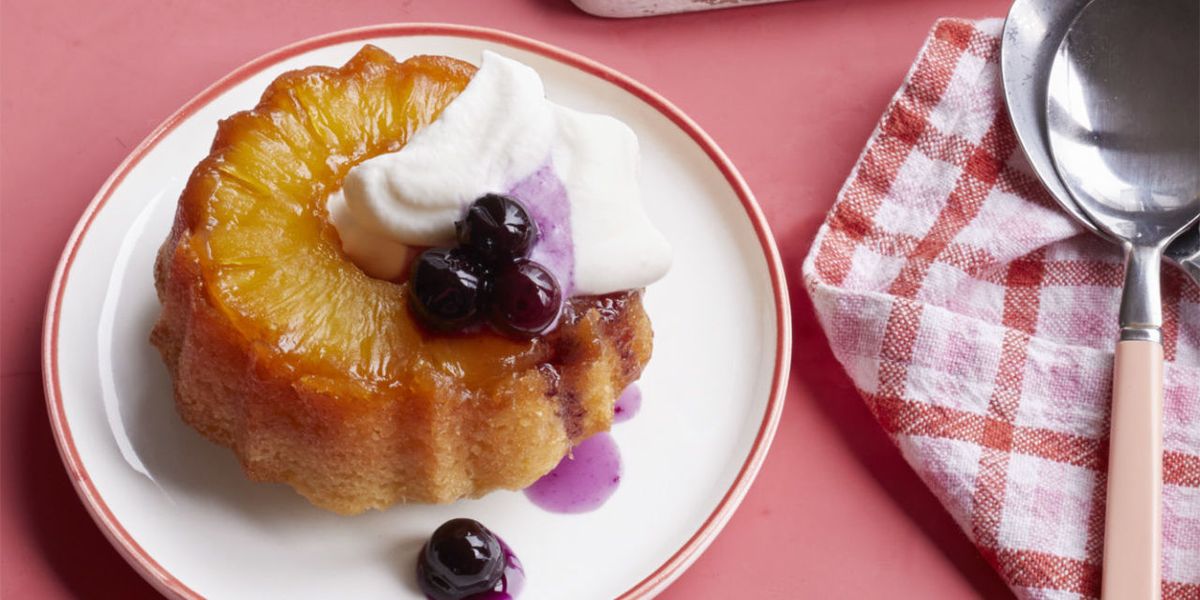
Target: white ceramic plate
178,507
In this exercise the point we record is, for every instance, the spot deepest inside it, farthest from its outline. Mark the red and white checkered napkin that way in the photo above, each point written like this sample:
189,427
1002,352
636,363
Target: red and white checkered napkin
978,322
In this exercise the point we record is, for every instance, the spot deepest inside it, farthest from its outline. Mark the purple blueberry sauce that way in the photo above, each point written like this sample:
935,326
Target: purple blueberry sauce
545,199
628,404
510,583
583,480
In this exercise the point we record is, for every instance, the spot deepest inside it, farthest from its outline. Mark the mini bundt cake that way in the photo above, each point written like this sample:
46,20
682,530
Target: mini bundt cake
318,375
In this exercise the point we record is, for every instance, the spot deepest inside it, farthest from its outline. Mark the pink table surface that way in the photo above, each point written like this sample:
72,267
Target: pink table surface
791,92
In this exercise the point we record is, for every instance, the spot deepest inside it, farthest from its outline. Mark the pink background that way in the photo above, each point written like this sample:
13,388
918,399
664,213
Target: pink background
790,91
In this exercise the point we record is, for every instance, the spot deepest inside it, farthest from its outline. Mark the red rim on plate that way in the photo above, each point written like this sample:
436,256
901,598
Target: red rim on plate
162,579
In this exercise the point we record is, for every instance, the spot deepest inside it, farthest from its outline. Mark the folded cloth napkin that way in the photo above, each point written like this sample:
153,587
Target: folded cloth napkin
978,322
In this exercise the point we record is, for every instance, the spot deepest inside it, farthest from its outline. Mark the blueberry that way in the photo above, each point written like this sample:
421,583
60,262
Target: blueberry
525,300
461,558
497,228
446,288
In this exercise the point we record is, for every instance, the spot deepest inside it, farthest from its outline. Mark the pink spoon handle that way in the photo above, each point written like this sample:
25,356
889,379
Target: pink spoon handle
1133,522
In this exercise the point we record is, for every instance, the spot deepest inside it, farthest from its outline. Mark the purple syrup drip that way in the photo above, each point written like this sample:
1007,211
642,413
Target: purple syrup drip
510,583
491,595
545,199
583,480
628,404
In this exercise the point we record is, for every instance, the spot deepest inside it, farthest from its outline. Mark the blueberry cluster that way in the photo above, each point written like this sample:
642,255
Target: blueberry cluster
462,559
488,275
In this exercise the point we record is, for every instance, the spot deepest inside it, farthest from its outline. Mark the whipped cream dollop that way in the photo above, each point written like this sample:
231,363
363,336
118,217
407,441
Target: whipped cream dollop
575,172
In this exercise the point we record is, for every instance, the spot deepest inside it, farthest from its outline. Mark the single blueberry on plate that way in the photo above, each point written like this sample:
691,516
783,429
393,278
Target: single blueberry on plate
461,559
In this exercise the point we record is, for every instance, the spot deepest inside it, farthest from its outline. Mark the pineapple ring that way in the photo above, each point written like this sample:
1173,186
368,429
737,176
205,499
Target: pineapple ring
314,373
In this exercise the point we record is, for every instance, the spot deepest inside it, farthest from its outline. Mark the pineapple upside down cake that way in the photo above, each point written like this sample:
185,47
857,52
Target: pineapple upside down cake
411,281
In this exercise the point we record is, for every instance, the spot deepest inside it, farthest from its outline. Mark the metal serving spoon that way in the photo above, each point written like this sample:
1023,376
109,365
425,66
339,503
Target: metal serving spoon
1123,118
1032,33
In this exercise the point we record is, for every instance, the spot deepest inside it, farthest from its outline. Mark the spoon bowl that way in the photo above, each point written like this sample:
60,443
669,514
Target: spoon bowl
1032,33
1124,121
